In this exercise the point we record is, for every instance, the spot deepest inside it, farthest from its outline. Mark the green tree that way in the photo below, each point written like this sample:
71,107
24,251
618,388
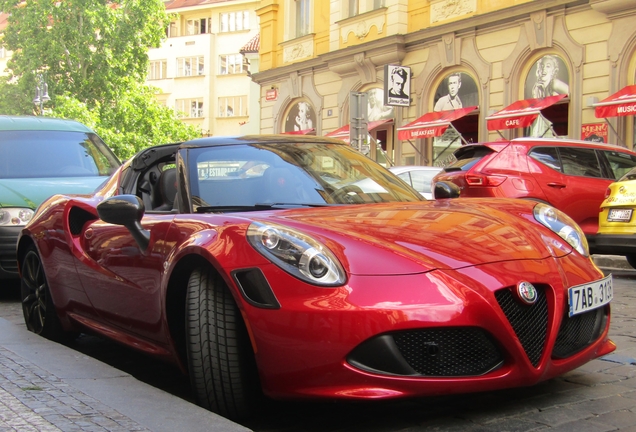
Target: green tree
94,56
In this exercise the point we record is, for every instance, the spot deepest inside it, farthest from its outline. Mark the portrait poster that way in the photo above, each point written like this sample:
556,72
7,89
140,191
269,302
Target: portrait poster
548,76
300,117
457,90
376,109
397,85
594,132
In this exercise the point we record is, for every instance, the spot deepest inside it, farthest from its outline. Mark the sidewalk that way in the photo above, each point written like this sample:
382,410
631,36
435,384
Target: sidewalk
45,386
612,262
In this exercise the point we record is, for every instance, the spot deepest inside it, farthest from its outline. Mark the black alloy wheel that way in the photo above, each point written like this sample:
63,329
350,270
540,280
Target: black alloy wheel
39,312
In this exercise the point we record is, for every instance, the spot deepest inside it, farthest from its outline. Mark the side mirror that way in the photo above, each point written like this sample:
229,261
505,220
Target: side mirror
126,210
446,190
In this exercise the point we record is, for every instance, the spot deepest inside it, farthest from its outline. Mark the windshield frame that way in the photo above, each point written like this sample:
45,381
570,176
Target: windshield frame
320,174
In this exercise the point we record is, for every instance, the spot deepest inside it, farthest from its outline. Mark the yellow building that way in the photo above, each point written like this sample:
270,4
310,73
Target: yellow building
323,62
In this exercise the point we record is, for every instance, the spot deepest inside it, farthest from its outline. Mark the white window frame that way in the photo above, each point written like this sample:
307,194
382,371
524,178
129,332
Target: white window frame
190,107
302,17
234,21
232,106
230,64
352,8
158,69
196,26
172,30
190,66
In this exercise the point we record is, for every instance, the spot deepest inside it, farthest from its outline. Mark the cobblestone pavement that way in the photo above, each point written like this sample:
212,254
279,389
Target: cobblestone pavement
34,400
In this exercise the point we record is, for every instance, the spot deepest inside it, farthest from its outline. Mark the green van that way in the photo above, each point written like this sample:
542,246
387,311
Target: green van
40,157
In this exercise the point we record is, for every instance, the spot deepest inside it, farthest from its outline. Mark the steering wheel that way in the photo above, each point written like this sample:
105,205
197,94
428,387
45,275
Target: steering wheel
349,194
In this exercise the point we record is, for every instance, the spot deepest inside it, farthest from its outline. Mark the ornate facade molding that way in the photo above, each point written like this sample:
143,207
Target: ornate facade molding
443,10
360,25
298,49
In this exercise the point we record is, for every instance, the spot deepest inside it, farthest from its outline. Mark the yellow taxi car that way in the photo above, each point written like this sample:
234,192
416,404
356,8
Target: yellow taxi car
617,221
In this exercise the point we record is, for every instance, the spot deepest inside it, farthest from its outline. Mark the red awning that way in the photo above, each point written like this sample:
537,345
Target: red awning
342,133
432,124
311,131
621,103
521,113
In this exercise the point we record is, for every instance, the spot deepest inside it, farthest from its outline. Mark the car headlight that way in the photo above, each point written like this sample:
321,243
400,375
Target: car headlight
15,216
296,253
563,225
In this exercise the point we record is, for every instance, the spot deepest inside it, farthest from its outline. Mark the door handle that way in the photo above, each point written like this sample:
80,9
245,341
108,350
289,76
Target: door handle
556,185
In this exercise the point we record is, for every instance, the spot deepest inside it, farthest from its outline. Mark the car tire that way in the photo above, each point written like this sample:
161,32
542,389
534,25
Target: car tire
221,362
631,260
40,315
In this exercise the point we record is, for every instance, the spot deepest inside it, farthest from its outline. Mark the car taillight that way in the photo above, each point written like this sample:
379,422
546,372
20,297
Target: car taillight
608,192
484,180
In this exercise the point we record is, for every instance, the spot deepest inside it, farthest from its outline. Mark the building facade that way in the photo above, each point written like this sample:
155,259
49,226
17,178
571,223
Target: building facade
5,55
199,69
472,70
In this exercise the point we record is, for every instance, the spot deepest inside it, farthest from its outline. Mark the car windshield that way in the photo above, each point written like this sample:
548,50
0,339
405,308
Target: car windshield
48,154
467,157
630,175
289,174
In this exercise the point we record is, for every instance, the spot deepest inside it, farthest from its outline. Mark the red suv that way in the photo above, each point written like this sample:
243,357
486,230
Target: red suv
567,174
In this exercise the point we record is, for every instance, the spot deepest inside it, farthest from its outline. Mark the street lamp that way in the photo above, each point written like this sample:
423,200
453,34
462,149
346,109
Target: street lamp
41,92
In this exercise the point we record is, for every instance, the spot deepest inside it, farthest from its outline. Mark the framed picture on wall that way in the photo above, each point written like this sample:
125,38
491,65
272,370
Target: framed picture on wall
457,90
547,77
397,85
301,116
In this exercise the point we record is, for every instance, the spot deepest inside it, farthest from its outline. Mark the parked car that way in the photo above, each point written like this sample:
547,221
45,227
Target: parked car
418,177
40,157
567,174
296,266
616,223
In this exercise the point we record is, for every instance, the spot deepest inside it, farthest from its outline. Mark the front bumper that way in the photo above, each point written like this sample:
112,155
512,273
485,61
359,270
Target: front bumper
8,253
433,333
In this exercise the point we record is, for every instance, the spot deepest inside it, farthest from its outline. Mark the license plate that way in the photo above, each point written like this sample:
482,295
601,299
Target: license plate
583,298
619,215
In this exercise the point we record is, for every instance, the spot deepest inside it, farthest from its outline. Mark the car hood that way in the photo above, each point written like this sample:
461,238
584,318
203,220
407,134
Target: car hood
30,192
408,238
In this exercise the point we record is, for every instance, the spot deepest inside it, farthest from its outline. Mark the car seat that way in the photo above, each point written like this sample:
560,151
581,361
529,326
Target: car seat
167,189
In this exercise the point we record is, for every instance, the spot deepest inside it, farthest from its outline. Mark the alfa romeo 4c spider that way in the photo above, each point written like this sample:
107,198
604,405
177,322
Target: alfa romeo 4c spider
296,267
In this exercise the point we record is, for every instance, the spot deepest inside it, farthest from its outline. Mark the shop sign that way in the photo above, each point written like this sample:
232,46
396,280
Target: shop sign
271,94
595,132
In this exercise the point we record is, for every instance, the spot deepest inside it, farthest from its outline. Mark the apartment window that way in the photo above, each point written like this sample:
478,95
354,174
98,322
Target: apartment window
232,106
190,108
3,52
302,17
197,26
171,31
234,21
356,7
190,66
232,64
158,69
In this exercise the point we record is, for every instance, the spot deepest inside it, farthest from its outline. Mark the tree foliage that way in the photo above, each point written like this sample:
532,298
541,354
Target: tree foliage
93,54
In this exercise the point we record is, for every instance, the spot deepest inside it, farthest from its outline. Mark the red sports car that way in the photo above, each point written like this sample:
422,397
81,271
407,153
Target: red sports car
296,267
